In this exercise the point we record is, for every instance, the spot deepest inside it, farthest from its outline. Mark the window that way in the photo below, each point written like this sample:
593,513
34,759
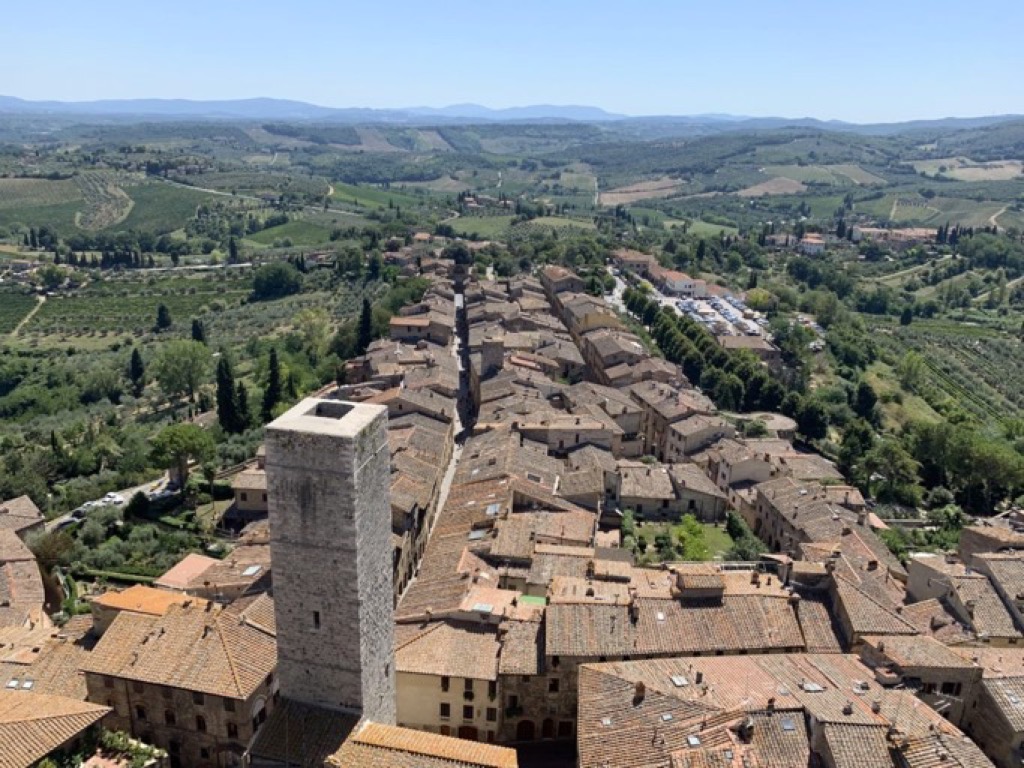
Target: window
173,747
201,724
492,715
951,689
229,705
198,698
316,620
492,689
467,712
264,497
553,685
513,702
136,686
140,712
555,662
245,496
468,686
446,710
445,684
169,717
232,731
564,729
204,753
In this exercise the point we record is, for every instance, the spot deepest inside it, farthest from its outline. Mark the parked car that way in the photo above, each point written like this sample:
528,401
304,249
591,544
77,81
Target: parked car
113,499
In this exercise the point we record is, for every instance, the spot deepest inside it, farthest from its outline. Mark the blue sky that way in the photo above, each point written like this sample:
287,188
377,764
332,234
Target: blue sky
862,61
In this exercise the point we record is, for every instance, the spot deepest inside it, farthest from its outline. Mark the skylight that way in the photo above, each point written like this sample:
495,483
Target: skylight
788,725
493,509
812,688
679,681
693,741
606,721
666,717
252,570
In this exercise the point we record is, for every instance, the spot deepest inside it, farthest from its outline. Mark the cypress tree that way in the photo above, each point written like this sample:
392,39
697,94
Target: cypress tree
365,327
272,394
137,373
198,331
227,397
242,407
163,318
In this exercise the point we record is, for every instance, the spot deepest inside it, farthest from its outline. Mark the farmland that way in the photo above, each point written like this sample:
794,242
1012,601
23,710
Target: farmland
296,232
14,307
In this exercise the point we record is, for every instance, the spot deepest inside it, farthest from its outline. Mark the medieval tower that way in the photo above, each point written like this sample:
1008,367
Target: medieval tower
328,477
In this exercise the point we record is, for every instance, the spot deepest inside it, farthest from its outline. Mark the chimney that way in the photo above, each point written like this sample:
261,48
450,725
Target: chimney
747,729
639,691
698,678
848,708
862,516
876,706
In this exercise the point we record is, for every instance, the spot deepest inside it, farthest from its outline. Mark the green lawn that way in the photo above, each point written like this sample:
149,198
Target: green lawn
716,540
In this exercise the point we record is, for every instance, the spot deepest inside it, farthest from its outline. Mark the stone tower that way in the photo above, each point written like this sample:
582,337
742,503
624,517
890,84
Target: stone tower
328,479
492,356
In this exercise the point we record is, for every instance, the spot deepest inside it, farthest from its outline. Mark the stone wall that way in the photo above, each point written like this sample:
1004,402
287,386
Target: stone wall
328,473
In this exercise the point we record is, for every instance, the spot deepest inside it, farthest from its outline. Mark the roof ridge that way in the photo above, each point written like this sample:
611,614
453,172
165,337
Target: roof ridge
227,653
416,638
870,598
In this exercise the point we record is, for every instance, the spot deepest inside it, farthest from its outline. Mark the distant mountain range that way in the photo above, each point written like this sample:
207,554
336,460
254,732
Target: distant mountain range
284,109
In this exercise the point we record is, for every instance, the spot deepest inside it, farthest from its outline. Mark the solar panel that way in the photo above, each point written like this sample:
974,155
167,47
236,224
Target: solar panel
476,535
493,509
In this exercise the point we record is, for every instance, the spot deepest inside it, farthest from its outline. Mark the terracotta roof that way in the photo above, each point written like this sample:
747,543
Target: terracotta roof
522,646
34,724
187,569
452,649
224,651
867,615
18,514
142,599
47,656
251,479
917,652
373,745
932,618
300,735
989,616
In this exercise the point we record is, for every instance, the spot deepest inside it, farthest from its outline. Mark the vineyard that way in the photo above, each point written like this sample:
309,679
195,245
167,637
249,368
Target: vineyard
13,309
967,368
106,204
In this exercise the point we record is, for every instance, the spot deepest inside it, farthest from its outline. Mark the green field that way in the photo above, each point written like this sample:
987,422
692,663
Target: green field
557,222
488,227
856,174
808,174
372,196
13,309
298,232
700,228
938,210
162,207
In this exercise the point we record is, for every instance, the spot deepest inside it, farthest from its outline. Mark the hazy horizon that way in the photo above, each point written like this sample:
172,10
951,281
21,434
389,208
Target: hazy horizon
885,63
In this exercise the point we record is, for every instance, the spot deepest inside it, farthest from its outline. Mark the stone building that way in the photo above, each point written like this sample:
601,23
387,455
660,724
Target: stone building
328,475
197,681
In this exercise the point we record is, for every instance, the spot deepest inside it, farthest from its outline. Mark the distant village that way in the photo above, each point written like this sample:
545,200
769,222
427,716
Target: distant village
440,566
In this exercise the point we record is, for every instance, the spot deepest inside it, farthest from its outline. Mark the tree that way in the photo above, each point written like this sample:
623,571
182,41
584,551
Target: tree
864,401
273,281
233,250
176,446
227,398
242,407
889,463
198,331
163,318
812,419
272,394
907,316
365,328
137,373
181,367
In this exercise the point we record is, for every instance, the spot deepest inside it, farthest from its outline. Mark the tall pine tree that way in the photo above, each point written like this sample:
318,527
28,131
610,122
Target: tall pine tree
163,318
272,394
242,407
